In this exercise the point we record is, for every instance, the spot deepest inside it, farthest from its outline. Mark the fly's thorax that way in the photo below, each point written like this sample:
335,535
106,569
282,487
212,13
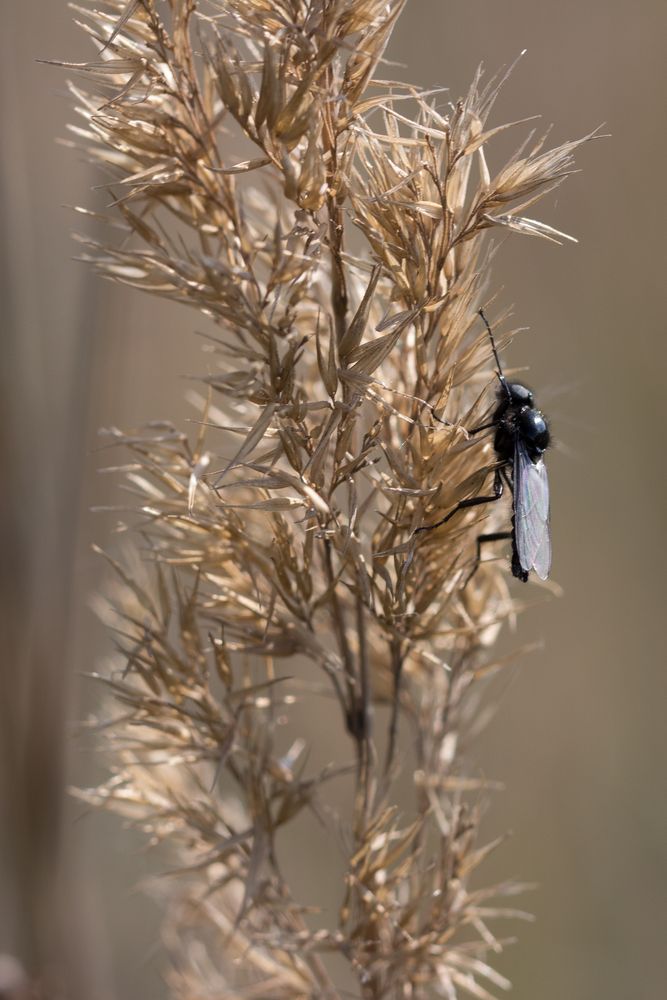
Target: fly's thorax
516,422
533,431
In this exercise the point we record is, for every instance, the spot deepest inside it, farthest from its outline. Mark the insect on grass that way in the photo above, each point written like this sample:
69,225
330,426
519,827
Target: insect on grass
520,440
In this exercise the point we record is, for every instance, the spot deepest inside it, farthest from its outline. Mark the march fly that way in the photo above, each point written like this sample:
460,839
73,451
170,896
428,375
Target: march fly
520,440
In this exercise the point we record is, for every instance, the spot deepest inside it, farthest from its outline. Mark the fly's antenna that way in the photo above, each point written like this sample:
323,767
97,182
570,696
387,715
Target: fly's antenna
501,377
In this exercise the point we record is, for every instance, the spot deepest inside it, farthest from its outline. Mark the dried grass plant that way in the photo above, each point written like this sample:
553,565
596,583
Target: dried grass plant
333,225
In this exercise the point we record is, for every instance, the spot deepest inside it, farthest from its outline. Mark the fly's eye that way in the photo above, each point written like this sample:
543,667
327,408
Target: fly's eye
521,396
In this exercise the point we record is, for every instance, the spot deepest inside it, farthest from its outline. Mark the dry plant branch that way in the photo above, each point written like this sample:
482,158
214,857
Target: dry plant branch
333,227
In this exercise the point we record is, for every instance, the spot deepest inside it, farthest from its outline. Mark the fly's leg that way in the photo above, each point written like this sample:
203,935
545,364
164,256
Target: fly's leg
470,502
493,536
483,427
501,536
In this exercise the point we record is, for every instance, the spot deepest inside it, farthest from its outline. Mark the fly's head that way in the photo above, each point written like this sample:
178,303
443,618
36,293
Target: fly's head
520,395
512,398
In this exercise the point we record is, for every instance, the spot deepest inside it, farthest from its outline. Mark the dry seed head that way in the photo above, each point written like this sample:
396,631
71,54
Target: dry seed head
332,229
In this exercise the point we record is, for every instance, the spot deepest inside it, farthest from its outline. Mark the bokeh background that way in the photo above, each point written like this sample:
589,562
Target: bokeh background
579,736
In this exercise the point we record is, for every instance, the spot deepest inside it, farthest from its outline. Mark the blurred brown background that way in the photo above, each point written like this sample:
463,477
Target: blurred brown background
579,738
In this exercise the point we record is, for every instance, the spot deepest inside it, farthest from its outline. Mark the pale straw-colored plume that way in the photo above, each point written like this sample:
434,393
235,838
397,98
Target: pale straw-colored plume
333,227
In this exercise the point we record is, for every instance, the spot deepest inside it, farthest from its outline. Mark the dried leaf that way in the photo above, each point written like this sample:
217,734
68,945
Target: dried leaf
364,360
352,337
255,435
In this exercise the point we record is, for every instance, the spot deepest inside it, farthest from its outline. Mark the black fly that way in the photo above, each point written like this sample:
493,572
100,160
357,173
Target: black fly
521,438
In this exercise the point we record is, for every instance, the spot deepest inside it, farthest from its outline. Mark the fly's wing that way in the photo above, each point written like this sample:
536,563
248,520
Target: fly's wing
531,513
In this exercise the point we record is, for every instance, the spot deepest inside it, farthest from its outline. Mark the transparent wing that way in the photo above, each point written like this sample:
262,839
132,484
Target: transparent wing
531,513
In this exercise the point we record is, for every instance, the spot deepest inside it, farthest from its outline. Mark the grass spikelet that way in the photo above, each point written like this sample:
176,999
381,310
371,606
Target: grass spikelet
333,228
